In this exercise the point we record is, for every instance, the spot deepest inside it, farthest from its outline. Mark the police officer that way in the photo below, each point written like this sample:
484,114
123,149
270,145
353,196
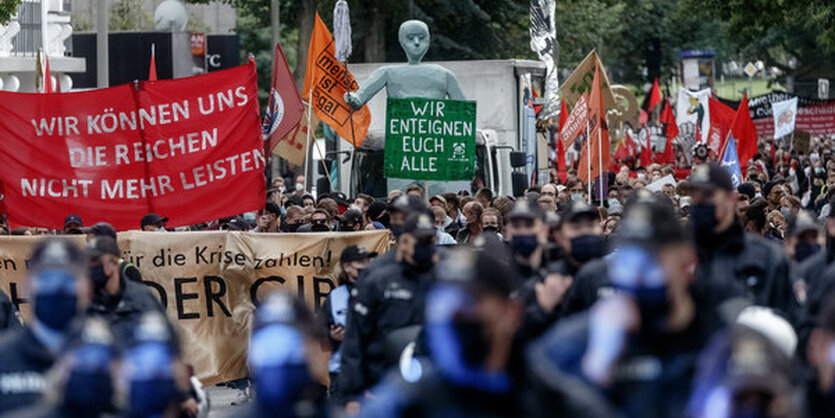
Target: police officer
283,361
334,312
58,291
388,309
473,368
80,384
105,229
118,300
727,253
541,287
9,317
155,378
819,379
639,346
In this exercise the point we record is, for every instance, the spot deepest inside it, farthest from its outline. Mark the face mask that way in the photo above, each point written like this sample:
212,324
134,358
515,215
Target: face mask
491,228
285,227
56,310
636,272
703,218
524,245
160,229
355,207
299,187
282,189
785,211
586,247
642,176
396,230
88,391
576,196
818,170
249,216
319,228
423,255
805,250
98,276
758,195
614,202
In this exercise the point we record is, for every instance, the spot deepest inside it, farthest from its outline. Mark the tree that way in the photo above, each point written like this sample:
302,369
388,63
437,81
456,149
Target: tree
8,8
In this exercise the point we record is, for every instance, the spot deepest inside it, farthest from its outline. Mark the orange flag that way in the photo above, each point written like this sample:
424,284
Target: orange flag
152,72
598,142
325,84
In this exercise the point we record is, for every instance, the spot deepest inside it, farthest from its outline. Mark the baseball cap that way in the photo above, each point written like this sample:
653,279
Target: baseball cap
101,229
236,224
102,245
711,176
651,223
151,219
73,219
419,225
354,253
351,216
578,210
438,198
523,209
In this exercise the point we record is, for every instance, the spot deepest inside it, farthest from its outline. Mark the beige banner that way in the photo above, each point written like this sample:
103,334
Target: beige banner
581,79
209,282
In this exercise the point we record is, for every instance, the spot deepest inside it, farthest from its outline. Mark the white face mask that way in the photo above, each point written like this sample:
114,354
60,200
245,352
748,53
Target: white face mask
299,187
160,229
282,189
356,207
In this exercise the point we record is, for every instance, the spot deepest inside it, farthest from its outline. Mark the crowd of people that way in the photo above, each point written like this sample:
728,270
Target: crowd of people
678,294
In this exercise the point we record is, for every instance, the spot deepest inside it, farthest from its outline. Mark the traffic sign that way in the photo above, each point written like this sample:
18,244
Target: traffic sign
750,69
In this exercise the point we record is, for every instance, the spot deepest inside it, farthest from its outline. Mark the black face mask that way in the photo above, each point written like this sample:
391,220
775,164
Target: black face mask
98,276
524,245
396,230
470,335
587,247
56,310
805,250
703,219
423,256
654,308
320,228
88,391
285,227
492,229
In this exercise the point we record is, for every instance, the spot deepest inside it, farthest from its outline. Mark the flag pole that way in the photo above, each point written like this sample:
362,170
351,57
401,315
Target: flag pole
588,160
307,147
600,162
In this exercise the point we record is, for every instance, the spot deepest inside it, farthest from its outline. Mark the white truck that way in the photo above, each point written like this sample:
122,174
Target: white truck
497,86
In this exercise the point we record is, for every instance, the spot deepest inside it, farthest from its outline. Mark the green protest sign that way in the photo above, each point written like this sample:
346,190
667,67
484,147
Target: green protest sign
429,139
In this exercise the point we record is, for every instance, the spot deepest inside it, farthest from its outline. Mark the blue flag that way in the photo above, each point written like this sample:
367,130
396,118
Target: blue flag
731,161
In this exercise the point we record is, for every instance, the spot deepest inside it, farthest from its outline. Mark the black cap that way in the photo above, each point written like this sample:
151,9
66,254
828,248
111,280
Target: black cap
711,176
101,229
351,216
151,219
419,225
355,253
294,200
747,189
802,222
101,245
579,210
56,253
236,223
524,209
340,198
651,223
73,219
767,188
376,209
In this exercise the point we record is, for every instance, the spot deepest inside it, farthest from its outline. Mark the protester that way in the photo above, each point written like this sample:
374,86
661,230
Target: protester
58,290
294,219
73,225
153,222
440,218
268,218
472,212
104,229
819,381
351,220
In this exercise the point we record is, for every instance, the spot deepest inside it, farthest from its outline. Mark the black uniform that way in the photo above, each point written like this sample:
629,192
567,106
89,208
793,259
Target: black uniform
8,314
124,309
388,307
653,375
23,363
759,267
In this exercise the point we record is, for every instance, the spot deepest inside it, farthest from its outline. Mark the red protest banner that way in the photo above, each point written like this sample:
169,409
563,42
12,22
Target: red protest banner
189,149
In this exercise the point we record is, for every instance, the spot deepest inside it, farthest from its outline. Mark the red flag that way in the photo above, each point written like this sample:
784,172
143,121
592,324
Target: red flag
671,130
721,118
646,152
622,150
744,133
152,72
560,147
285,108
654,95
596,148
47,87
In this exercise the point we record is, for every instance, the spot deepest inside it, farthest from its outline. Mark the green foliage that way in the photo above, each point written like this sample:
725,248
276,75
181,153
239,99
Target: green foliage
7,9
128,15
